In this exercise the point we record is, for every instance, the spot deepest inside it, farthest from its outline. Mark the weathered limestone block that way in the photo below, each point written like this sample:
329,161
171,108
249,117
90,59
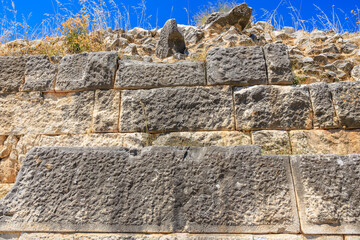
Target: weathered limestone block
12,70
154,189
138,74
180,109
40,74
325,142
272,142
352,237
4,189
9,236
201,139
50,113
328,193
324,111
273,107
278,64
236,65
346,97
106,111
85,71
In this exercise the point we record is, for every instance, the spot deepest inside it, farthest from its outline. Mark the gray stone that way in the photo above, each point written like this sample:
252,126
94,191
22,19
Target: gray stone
83,71
171,40
40,74
236,65
106,111
9,236
179,109
272,142
344,65
154,189
12,72
278,64
136,74
324,111
355,73
346,97
328,193
238,16
192,35
348,47
273,107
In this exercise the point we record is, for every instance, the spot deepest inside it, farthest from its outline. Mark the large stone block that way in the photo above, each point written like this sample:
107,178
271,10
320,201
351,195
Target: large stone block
273,107
40,74
137,74
328,193
106,111
236,66
50,113
85,71
154,189
278,64
346,97
12,71
180,109
325,142
272,142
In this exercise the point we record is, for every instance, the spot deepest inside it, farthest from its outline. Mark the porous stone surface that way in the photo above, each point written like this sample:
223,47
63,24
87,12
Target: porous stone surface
180,109
272,142
236,65
106,111
4,189
137,74
200,139
40,74
12,71
211,189
9,236
95,70
328,193
325,141
50,113
346,97
278,64
322,105
273,107
171,40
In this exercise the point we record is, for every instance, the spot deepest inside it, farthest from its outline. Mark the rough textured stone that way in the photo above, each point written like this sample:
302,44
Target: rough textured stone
325,142
346,97
8,161
106,111
272,142
49,113
236,65
323,108
328,193
137,74
4,189
273,107
213,189
180,109
171,40
84,71
239,16
9,236
278,64
355,73
40,74
12,71
200,139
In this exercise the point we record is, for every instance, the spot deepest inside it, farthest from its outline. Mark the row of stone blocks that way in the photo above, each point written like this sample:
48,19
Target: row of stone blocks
102,70
317,105
193,190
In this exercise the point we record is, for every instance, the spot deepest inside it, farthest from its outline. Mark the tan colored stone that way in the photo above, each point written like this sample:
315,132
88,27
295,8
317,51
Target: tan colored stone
7,145
8,163
106,111
200,139
272,142
4,189
325,142
352,237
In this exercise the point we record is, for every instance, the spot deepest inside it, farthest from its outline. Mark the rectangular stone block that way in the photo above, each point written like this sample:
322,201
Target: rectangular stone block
12,71
327,188
138,74
106,111
9,236
40,74
278,64
325,142
236,65
273,107
177,109
50,113
272,142
346,97
95,70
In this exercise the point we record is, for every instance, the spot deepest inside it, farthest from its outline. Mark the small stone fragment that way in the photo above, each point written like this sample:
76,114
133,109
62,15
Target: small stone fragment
355,73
